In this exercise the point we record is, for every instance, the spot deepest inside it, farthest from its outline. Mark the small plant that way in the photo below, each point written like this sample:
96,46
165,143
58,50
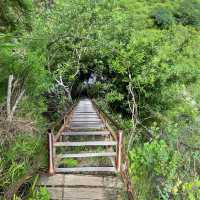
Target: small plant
40,194
192,190
69,162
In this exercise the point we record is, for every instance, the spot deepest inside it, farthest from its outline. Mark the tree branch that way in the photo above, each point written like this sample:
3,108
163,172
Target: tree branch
9,92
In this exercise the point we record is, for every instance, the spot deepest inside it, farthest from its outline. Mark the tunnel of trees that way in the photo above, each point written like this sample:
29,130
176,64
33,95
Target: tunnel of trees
139,60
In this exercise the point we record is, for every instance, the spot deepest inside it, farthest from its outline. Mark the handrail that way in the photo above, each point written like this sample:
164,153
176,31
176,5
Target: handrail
122,161
51,168
65,120
113,122
52,139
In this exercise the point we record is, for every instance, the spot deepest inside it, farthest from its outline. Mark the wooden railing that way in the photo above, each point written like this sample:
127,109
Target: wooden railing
52,139
50,154
122,162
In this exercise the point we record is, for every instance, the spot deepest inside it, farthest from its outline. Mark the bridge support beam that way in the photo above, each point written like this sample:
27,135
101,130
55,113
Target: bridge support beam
119,150
51,168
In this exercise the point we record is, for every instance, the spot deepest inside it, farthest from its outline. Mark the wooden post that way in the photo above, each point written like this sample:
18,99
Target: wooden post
51,169
119,150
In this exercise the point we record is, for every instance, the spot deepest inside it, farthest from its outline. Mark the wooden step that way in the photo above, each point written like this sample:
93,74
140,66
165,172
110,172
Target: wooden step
99,124
86,133
85,120
85,169
87,143
86,127
84,114
87,124
85,111
83,117
87,155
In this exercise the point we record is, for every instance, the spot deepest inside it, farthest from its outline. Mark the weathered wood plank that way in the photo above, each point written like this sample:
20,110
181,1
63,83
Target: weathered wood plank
86,127
87,155
85,194
83,117
88,143
87,122
80,120
56,192
85,133
85,169
57,179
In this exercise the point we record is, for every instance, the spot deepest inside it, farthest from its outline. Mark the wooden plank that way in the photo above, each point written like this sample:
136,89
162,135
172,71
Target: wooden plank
85,110
85,169
55,192
87,143
83,117
87,155
85,120
84,114
86,194
86,124
86,133
76,180
51,180
86,127
92,128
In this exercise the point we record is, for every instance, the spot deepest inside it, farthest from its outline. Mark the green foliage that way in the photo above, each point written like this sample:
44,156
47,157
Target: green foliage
117,42
15,13
40,194
22,153
163,17
114,97
192,190
69,162
156,162
189,13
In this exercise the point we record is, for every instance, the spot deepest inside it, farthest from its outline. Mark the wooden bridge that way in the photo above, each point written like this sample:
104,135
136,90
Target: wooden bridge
86,158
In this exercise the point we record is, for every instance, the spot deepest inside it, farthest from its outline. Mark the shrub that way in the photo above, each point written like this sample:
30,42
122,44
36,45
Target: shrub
40,194
189,13
155,163
114,96
22,157
163,17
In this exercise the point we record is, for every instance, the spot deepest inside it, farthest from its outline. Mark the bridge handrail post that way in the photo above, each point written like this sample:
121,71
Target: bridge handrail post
119,149
51,168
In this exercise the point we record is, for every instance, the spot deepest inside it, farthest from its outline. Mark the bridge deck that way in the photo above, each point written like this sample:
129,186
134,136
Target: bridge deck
92,180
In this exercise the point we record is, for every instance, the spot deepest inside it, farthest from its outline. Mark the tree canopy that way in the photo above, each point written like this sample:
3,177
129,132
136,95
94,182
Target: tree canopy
145,57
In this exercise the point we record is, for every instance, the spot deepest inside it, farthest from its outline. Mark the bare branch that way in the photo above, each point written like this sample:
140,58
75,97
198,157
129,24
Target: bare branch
11,96
9,92
16,103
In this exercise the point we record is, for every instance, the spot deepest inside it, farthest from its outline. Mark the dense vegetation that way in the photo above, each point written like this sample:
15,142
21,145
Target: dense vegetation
145,58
